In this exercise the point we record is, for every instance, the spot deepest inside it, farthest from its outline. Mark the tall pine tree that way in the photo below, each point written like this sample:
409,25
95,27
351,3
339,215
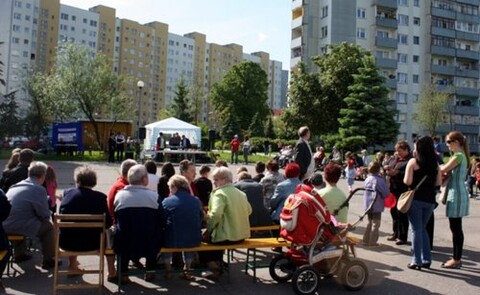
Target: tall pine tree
269,129
256,128
181,102
368,117
231,125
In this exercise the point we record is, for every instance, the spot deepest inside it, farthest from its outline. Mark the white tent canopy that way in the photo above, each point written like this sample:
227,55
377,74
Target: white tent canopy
168,127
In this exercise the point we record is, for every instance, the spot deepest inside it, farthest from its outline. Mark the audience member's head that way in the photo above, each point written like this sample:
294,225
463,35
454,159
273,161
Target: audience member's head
187,169
292,170
316,179
241,169
37,170
204,170
26,156
126,165
138,175
168,170
332,173
224,174
13,161
221,163
244,175
151,167
272,166
374,167
259,167
85,177
177,182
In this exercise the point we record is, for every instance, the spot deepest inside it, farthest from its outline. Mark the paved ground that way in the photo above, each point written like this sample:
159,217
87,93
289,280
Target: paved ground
387,264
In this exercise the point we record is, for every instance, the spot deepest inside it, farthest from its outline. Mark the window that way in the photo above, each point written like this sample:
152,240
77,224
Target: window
18,4
64,16
93,23
27,18
416,40
74,18
361,13
415,78
402,117
85,21
324,32
401,98
17,16
382,34
361,33
416,21
16,28
402,58
403,39
414,97
402,2
15,40
324,11
402,20
416,3
402,78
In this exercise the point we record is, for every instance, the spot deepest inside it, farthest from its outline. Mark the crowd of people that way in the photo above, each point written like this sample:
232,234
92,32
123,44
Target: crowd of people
179,210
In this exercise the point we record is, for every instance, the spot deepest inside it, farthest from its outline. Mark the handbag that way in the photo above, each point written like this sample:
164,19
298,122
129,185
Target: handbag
405,200
444,188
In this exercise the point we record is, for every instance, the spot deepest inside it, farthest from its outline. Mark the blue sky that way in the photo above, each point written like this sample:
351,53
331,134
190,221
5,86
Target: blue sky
258,25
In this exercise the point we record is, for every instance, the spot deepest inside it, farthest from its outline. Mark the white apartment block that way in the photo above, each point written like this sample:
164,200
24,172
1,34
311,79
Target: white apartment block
414,42
180,60
78,26
18,31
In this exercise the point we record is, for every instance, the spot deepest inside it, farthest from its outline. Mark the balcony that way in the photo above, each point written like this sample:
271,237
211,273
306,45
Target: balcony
467,73
386,42
443,70
443,13
468,18
387,3
386,22
295,60
468,36
443,32
470,54
467,110
388,63
297,22
467,129
391,83
296,4
297,42
440,50
466,91
471,2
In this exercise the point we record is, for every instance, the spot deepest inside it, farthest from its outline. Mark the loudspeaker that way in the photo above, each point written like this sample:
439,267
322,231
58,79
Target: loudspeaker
142,133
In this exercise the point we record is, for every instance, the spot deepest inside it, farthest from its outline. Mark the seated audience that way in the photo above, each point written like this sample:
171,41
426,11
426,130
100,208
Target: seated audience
204,185
19,173
284,189
84,200
30,215
187,169
152,175
181,232
140,223
227,218
167,171
270,181
259,169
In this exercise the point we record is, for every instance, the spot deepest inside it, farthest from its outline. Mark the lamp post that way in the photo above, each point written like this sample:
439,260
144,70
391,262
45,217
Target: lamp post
140,85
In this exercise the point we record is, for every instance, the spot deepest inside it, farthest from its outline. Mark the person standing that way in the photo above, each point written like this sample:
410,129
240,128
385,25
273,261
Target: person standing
112,144
457,203
120,145
303,153
234,147
160,146
246,144
396,172
422,171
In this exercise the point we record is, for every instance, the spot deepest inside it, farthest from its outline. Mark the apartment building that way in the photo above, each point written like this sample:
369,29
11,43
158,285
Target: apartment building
32,29
414,42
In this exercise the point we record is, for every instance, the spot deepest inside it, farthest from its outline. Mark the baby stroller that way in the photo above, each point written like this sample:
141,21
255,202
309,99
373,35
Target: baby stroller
330,253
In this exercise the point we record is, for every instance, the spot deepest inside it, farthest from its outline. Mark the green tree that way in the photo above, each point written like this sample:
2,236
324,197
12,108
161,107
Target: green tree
337,68
269,128
304,97
196,95
243,90
230,125
181,102
2,80
9,119
430,109
368,117
88,83
257,127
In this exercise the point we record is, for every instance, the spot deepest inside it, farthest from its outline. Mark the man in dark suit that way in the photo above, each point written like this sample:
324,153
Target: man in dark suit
303,153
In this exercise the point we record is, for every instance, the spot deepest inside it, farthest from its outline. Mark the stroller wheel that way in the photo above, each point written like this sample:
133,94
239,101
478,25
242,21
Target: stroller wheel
354,275
305,280
281,268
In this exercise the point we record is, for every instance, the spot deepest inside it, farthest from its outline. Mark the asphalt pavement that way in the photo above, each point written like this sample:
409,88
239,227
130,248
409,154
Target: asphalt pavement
387,264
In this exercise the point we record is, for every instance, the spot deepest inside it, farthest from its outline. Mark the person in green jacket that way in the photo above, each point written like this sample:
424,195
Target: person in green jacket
227,218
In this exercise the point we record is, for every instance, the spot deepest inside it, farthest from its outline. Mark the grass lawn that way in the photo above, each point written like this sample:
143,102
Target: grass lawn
90,156
226,155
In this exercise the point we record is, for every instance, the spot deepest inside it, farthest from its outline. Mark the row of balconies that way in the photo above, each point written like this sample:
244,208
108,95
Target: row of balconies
451,14
455,71
450,33
453,52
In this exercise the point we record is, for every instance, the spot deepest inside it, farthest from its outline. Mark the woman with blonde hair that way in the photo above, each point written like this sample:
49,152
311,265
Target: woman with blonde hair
457,201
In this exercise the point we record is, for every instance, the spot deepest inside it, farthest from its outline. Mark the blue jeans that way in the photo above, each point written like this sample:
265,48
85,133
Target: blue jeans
418,215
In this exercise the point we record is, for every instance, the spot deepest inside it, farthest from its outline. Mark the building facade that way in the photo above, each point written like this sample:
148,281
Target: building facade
415,43
31,30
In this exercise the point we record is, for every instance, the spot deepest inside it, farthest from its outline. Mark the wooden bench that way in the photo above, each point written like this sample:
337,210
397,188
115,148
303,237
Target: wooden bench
13,239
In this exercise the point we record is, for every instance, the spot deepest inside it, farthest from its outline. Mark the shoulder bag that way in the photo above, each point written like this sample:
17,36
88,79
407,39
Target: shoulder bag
405,200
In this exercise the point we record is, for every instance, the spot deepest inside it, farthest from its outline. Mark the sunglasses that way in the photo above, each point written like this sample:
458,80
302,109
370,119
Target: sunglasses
449,141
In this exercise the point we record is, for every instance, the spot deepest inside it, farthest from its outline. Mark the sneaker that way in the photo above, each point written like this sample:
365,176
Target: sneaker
50,263
392,238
